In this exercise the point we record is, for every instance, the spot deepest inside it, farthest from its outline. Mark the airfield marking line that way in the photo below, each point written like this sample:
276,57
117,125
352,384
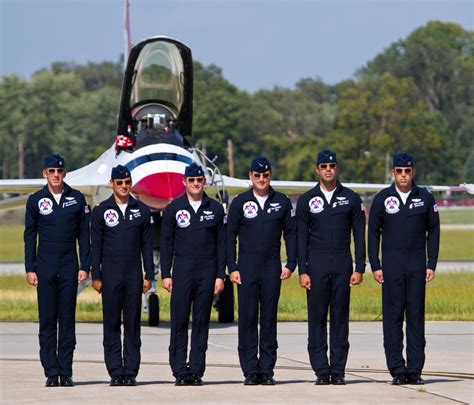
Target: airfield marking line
405,386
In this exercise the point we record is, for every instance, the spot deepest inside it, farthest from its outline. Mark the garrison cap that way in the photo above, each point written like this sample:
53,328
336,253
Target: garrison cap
120,172
260,165
326,156
55,161
403,160
193,170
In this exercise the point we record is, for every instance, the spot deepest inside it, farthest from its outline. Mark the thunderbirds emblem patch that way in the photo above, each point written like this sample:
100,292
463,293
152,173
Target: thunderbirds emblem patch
111,218
45,206
250,209
391,205
183,218
316,204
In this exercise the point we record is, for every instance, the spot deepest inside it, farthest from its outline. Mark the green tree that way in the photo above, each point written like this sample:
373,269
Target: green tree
469,168
384,115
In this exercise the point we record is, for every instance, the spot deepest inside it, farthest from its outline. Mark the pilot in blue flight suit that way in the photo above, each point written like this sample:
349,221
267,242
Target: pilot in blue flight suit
193,243
326,215
57,217
122,236
259,217
407,219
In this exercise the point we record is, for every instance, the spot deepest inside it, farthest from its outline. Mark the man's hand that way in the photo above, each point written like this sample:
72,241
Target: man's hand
146,286
305,281
97,285
218,286
32,278
430,275
235,277
285,273
167,284
82,276
356,278
378,276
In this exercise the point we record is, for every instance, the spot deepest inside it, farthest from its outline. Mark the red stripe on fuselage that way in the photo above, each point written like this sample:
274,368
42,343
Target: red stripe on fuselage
156,190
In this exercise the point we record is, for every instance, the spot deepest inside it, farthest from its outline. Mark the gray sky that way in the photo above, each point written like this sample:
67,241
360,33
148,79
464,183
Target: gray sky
258,44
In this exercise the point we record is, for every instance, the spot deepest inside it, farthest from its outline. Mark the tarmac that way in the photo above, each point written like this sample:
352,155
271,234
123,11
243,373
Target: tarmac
448,371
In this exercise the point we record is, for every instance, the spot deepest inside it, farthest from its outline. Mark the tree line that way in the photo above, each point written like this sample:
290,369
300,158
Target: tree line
415,96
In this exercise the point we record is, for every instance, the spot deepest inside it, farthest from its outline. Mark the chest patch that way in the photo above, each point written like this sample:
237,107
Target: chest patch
111,218
45,206
274,207
135,213
316,204
250,209
340,201
416,202
208,216
183,218
69,201
392,205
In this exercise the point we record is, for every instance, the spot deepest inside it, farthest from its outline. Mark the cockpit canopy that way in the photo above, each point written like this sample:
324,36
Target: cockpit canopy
157,88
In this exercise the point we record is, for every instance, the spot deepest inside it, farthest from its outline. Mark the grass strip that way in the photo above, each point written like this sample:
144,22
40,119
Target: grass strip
448,298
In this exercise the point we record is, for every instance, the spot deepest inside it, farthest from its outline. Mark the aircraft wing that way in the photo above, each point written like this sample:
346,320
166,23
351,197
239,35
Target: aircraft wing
303,186
86,179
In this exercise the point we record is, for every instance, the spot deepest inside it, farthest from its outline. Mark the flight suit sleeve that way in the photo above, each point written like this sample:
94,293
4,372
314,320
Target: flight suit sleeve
167,242
289,234
302,218
233,224
97,237
147,246
374,231
221,244
358,232
84,236
30,236
433,235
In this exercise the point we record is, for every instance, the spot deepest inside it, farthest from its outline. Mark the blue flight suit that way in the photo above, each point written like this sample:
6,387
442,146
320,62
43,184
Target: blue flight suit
324,238
259,232
193,243
408,232
56,228
119,243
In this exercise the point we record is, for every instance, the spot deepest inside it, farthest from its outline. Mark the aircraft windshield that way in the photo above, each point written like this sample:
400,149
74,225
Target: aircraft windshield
159,75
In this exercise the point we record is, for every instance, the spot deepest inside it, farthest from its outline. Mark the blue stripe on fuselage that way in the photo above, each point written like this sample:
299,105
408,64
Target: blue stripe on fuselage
157,156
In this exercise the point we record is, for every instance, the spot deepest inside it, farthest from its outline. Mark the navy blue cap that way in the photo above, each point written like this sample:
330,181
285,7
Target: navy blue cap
120,172
326,156
56,161
193,170
260,165
403,160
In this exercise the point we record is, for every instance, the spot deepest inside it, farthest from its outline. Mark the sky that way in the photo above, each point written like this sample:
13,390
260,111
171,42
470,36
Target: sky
258,44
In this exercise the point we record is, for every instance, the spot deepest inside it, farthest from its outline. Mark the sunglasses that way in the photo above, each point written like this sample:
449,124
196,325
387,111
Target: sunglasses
406,170
193,179
52,171
326,165
261,175
120,182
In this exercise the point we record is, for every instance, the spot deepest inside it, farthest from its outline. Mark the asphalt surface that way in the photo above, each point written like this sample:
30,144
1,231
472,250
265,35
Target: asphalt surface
448,370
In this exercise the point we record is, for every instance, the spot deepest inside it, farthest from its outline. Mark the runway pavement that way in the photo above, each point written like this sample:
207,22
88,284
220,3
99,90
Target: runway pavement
448,371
